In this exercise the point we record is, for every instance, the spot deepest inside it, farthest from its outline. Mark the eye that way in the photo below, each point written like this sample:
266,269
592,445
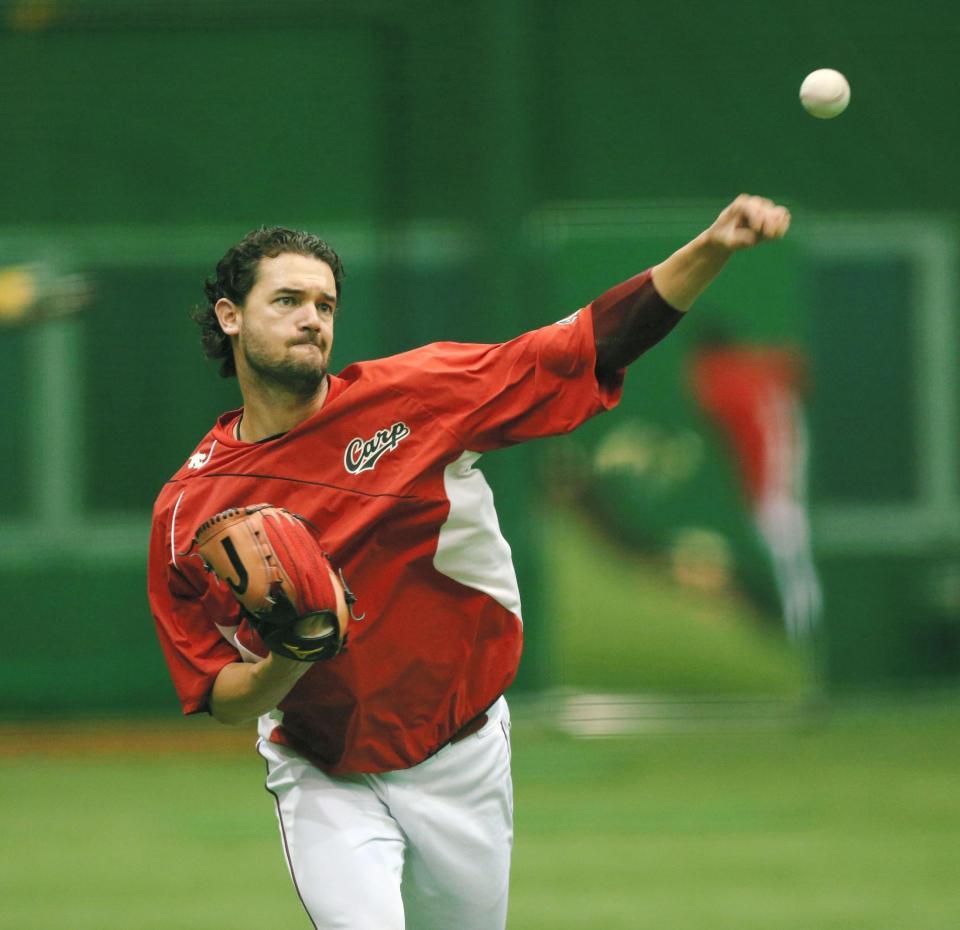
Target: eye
286,300
326,308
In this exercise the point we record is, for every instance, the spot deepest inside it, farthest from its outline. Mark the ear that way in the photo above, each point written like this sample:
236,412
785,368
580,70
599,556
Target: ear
228,313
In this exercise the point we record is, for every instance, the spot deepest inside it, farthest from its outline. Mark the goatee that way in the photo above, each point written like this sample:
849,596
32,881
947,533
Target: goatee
301,378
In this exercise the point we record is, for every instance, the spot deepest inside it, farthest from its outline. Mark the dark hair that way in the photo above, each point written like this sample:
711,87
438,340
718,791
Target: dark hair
237,273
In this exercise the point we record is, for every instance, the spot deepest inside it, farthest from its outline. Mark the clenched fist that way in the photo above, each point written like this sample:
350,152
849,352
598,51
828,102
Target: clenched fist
749,221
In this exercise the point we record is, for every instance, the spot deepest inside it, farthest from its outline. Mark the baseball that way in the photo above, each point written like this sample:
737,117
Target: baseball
825,93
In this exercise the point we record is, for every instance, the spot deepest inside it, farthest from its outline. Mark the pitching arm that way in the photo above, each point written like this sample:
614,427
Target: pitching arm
636,315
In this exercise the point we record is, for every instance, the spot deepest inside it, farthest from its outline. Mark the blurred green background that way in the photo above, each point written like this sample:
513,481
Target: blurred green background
483,169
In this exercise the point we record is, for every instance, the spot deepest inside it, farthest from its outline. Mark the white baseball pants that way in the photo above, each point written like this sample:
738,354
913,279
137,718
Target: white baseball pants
425,848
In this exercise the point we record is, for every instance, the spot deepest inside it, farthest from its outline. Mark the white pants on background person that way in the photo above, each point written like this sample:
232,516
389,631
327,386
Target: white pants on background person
424,848
780,513
784,526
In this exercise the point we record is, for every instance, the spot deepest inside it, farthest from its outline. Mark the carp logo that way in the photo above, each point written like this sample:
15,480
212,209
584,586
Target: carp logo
363,454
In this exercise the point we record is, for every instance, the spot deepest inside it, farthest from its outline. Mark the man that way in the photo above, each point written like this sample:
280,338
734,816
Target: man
754,394
390,762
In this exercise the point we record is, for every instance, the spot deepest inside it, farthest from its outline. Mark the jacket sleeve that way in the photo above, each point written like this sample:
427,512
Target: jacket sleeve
627,320
186,615
540,384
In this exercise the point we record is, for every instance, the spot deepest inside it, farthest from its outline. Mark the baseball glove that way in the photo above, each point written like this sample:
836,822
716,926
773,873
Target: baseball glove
282,578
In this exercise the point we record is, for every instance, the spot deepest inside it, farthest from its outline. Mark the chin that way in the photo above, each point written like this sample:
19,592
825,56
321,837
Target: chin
306,382
297,376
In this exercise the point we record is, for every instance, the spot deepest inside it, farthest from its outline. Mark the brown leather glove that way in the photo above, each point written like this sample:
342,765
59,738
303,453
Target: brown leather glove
281,576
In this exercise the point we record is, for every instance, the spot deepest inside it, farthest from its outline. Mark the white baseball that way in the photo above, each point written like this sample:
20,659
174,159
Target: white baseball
825,93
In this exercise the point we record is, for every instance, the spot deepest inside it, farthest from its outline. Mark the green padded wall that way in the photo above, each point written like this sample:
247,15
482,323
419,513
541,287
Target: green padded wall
141,139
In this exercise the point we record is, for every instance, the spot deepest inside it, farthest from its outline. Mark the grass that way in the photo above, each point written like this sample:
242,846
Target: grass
851,825
853,822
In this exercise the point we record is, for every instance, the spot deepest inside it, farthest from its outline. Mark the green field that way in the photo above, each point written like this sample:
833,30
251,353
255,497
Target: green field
852,821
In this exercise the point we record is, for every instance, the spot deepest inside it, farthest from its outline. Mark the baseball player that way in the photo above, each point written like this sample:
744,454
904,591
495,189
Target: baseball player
754,395
328,562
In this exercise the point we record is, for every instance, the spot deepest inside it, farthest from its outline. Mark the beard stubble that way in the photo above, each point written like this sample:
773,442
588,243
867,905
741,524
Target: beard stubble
301,377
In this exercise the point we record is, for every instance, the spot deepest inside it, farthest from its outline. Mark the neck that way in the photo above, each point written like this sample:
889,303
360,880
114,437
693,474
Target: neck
269,411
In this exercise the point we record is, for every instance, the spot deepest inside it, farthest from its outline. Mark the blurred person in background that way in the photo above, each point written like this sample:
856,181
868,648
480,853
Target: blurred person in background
754,395
389,763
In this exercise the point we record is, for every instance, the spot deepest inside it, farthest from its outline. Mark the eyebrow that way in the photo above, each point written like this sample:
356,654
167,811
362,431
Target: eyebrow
297,292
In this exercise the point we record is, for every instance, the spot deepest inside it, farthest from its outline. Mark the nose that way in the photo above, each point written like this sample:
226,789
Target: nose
311,318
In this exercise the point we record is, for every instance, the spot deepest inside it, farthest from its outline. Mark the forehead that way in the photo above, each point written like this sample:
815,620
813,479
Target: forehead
298,272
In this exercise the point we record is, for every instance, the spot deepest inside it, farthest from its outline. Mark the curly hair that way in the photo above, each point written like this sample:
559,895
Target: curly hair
237,273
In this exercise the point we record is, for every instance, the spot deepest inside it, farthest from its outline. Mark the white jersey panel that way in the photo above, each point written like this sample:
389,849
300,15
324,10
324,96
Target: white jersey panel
471,549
